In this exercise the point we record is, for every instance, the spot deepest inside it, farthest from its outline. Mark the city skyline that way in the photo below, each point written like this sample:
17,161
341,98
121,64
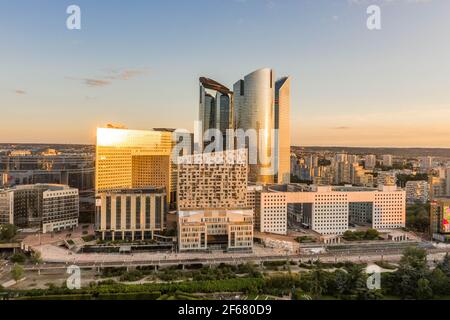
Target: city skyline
62,84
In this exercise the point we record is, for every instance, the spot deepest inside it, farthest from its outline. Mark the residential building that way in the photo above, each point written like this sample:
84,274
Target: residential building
213,180
417,192
440,219
387,160
49,207
438,187
425,164
447,181
386,178
370,161
6,207
131,214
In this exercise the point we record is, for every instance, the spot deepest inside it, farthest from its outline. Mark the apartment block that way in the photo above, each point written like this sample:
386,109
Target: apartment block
6,207
49,207
440,219
417,192
213,180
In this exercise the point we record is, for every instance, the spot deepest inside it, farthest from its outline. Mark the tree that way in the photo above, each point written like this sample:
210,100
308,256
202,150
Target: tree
18,258
318,282
36,257
7,232
439,282
17,272
424,291
444,265
371,234
412,268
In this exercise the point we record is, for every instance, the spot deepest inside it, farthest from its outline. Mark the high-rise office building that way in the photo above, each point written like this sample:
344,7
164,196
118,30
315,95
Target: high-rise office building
129,159
254,98
216,105
283,127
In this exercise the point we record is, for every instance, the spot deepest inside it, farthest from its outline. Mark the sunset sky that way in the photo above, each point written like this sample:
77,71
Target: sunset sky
137,63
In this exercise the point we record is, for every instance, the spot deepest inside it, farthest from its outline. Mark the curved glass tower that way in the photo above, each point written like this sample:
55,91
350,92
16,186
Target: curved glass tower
215,109
254,109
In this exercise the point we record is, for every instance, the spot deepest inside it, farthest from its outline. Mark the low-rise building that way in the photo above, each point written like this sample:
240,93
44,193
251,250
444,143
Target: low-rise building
49,207
328,210
215,229
130,214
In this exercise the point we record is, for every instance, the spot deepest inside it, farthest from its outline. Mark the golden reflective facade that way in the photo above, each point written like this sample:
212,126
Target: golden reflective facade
283,127
133,159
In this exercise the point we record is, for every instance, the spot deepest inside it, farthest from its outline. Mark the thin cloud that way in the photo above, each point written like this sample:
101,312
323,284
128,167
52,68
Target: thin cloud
341,128
110,76
95,82
20,92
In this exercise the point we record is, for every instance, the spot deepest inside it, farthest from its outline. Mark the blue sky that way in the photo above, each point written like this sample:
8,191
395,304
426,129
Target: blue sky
137,63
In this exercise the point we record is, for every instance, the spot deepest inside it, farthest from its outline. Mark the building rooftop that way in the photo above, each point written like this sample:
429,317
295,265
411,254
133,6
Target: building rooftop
214,85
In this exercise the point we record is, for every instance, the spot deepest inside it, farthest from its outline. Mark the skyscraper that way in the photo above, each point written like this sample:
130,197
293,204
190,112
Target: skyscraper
129,159
283,127
216,105
254,109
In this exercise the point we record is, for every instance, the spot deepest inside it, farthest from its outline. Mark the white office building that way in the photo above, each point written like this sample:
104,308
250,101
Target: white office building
329,210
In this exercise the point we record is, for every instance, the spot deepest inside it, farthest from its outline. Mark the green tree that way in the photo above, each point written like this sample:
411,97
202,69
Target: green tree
444,265
18,257
439,282
318,282
424,291
17,272
7,232
412,268
371,234
36,257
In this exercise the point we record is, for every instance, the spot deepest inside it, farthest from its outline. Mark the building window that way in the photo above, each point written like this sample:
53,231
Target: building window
128,213
118,213
138,212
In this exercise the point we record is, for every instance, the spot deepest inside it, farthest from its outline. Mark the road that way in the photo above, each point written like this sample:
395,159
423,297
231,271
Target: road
386,255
